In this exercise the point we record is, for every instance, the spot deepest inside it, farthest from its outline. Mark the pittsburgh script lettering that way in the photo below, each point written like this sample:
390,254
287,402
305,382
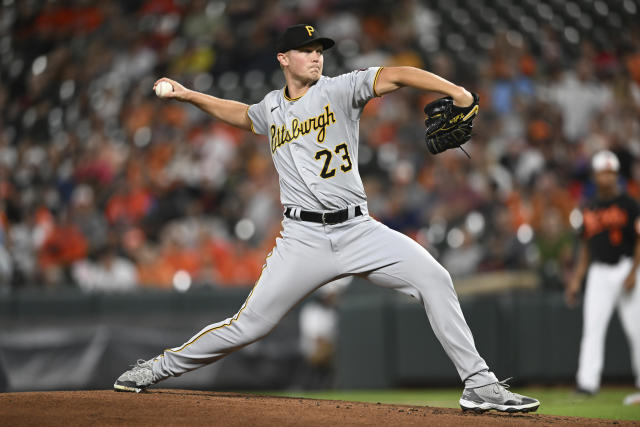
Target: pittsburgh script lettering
280,135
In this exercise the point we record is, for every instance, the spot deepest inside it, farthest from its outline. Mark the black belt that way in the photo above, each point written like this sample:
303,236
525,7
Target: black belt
335,217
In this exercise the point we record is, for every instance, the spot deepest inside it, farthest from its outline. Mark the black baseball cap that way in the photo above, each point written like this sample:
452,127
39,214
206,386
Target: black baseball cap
301,35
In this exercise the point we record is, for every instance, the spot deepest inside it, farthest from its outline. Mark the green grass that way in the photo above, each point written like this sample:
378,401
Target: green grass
554,401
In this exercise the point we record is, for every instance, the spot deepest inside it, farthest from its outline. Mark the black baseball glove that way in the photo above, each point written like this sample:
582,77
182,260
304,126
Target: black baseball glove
448,126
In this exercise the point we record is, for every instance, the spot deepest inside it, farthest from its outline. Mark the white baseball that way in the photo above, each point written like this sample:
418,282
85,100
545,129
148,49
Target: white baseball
163,88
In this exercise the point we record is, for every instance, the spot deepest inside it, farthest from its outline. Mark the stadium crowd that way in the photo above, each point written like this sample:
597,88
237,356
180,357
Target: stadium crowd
105,187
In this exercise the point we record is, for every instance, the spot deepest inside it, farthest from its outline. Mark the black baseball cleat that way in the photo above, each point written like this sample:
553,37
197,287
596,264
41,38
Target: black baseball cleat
136,379
496,396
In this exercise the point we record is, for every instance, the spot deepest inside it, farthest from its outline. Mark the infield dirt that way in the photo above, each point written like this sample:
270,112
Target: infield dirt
185,407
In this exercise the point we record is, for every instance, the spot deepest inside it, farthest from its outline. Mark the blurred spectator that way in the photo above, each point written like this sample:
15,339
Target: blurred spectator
579,96
90,221
463,260
64,245
108,273
554,244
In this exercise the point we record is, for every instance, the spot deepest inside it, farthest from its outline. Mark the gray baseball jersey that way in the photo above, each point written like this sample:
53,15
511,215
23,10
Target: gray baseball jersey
314,140
314,145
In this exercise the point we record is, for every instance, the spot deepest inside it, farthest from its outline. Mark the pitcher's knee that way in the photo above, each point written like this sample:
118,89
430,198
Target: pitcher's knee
432,281
445,276
255,333
438,275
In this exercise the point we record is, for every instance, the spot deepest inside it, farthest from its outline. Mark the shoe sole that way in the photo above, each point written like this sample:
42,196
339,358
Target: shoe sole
128,387
468,405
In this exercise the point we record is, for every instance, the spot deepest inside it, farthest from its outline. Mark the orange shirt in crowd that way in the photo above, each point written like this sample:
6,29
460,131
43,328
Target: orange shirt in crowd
235,264
155,274
64,245
129,206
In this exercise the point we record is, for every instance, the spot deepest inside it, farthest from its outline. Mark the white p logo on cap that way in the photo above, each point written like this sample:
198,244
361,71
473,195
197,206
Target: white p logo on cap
605,160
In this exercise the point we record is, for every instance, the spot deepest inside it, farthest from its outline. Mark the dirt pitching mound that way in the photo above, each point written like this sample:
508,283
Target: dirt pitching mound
184,407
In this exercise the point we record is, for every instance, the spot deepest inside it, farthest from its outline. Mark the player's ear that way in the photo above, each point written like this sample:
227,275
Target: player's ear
283,59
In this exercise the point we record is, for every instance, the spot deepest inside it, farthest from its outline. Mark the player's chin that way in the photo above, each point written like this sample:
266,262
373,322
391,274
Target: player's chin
315,74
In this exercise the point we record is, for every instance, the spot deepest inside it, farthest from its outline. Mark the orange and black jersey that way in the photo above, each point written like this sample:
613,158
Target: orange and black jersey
611,228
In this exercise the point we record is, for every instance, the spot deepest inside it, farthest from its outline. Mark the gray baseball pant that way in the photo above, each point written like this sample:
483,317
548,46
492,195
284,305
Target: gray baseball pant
309,255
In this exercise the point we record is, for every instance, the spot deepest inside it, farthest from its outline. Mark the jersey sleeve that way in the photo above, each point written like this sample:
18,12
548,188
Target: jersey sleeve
258,117
356,89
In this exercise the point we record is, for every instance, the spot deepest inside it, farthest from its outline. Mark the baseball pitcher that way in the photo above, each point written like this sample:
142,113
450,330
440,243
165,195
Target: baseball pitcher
311,126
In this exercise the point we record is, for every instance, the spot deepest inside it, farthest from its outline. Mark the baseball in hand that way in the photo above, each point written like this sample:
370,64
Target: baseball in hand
163,88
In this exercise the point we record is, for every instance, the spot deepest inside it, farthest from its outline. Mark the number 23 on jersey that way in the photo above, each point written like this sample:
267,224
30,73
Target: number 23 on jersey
326,155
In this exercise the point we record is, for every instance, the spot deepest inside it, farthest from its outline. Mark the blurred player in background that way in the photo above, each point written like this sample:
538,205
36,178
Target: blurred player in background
609,255
318,324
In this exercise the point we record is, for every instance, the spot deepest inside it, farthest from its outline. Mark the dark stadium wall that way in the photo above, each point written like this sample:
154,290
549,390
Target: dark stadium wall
82,341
